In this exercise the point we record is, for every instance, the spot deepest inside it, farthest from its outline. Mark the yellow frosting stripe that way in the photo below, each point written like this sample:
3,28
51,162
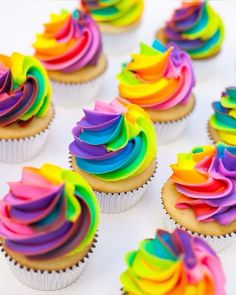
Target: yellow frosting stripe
173,264
206,31
117,13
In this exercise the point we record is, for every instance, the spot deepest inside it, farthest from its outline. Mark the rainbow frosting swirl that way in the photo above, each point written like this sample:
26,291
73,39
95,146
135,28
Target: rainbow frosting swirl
206,181
70,42
114,141
118,13
224,118
158,77
50,213
25,90
176,263
196,28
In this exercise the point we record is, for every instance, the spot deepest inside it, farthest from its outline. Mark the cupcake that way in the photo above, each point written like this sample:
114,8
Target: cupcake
160,80
26,110
48,224
173,263
222,124
70,49
200,194
196,28
118,21
114,148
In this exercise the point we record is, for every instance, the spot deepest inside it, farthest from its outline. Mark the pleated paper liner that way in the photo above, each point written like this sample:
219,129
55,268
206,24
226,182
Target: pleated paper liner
113,203
171,130
49,280
203,68
218,243
24,149
120,43
77,94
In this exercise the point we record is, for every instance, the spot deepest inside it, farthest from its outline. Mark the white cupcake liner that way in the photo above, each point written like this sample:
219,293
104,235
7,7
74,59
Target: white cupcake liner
76,94
204,68
169,131
23,149
217,243
48,280
120,43
113,203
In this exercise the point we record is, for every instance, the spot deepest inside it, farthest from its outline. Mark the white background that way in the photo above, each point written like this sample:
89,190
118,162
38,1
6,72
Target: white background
19,21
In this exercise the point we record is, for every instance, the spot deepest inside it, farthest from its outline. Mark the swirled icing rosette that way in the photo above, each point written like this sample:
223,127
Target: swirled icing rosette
196,28
26,111
173,263
223,121
157,78
50,213
205,179
70,49
114,141
25,91
119,13
114,148
70,42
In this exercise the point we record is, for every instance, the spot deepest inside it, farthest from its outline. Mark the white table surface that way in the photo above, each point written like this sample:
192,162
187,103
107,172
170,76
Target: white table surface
19,21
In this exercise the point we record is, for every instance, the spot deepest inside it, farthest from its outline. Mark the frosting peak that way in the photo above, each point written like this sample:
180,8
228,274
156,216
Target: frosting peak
176,263
114,141
25,91
206,179
70,42
50,213
158,77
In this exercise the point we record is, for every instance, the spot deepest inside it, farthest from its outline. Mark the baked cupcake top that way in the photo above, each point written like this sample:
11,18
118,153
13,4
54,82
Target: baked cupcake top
224,118
118,13
114,141
49,213
25,91
205,179
70,42
173,263
196,28
158,77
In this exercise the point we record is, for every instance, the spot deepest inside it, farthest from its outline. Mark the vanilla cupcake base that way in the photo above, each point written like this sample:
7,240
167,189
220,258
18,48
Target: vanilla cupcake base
217,243
48,280
170,124
214,135
111,198
114,203
77,88
218,236
76,94
20,144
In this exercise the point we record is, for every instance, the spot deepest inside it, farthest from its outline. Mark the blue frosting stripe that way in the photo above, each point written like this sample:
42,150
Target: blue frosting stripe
121,159
105,136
